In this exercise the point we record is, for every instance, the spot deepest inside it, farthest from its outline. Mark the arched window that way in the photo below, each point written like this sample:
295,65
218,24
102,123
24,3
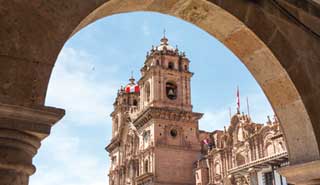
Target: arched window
171,90
135,102
147,91
171,65
186,67
158,62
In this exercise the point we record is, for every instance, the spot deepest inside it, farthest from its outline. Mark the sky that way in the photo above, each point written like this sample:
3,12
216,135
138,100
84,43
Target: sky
96,61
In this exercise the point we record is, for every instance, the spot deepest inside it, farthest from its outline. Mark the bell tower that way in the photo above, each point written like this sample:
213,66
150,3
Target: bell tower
169,140
166,78
155,137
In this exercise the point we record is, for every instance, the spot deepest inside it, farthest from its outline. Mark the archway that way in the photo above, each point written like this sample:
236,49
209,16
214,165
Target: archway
264,36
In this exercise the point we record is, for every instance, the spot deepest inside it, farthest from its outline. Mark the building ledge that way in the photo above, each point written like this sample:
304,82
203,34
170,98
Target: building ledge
144,176
275,159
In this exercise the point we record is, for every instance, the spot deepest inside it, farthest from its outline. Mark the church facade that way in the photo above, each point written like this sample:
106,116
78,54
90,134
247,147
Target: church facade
245,153
156,138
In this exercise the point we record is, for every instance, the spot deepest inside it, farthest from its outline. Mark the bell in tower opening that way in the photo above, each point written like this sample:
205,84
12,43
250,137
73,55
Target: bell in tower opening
171,90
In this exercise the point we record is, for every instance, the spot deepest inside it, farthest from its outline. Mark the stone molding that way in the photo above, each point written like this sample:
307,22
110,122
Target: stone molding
166,114
36,120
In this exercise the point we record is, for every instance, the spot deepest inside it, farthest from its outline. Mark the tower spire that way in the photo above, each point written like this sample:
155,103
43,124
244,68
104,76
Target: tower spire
238,100
164,40
131,78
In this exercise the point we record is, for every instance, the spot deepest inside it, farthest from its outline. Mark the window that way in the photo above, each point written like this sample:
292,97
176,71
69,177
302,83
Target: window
147,91
157,62
114,160
268,178
174,133
146,166
146,136
186,67
171,90
135,102
171,65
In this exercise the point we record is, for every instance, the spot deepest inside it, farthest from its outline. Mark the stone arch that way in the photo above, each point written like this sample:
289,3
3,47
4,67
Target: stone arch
278,41
171,89
250,49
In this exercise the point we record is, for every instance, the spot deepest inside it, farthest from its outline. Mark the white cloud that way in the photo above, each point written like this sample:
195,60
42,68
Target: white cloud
65,157
67,162
75,86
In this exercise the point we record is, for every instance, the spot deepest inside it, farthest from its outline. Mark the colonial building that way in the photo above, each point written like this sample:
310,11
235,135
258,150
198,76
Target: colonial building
155,132
245,153
156,139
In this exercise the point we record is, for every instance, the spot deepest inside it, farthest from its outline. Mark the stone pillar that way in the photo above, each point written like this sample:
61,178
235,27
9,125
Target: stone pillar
21,131
302,174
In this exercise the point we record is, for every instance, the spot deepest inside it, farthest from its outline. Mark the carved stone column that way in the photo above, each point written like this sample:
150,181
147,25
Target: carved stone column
302,174
21,131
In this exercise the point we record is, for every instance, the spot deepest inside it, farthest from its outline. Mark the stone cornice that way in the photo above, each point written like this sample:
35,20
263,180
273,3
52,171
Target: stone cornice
34,120
156,69
46,115
165,114
115,142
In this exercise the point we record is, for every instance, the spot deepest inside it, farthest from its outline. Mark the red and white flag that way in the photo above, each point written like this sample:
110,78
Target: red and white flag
133,88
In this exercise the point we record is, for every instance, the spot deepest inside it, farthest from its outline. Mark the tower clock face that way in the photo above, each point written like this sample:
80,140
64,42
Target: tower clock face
171,91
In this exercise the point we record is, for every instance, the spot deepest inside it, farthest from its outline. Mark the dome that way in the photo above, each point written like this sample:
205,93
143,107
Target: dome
132,87
164,45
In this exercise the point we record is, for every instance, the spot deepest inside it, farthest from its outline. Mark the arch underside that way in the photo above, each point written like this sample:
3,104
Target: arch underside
278,51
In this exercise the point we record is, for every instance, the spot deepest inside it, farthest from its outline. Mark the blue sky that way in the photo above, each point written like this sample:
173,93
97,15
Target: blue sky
96,61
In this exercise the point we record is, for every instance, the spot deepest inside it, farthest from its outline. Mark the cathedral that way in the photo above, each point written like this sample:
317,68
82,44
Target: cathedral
156,138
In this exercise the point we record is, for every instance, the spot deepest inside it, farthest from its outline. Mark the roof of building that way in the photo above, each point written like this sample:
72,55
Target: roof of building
132,87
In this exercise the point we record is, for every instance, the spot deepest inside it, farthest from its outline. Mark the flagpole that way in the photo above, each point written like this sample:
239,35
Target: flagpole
238,100
248,107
